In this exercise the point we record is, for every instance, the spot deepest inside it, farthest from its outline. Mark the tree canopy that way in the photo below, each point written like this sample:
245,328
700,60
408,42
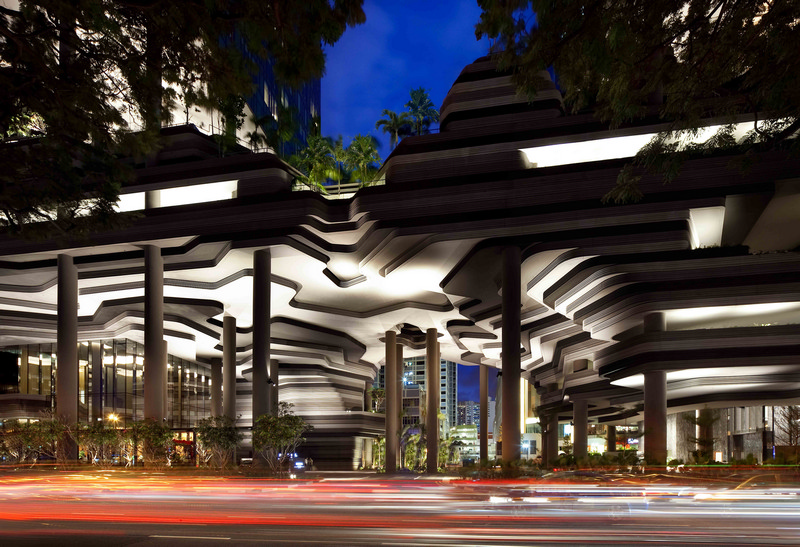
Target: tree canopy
82,79
684,61
421,111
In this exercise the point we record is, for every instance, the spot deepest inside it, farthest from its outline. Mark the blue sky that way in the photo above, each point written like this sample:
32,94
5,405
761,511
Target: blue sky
404,44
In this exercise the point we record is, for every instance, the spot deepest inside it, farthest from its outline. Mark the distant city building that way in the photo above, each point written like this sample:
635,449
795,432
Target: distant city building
469,413
414,375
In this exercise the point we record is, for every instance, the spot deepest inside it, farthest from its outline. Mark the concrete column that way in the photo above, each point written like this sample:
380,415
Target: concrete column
216,387
511,354
398,358
153,333
705,432
96,349
229,367
261,334
152,199
368,399
67,348
393,405
611,438
655,417
580,419
483,418
433,384
552,439
274,383
167,411
367,459
655,401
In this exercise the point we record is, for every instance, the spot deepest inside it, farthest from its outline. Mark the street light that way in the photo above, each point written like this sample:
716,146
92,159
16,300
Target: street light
113,418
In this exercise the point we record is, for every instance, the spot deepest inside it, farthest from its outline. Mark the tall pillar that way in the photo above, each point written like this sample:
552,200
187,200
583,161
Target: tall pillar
261,309
166,411
511,354
153,333
393,405
229,367
705,432
401,369
398,359
552,439
216,387
67,348
274,383
483,418
367,459
655,401
152,199
580,419
96,349
611,438
433,385
655,417
368,399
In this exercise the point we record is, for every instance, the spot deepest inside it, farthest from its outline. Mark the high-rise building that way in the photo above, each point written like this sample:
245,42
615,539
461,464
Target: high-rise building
469,413
414,375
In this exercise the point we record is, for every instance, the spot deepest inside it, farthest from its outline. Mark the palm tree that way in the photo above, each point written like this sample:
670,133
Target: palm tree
362,156
316,161
421,110
394,124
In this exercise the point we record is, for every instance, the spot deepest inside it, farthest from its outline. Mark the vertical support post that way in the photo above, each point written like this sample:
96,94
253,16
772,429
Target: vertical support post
367,459
401,370
393,405
152,199
433,385
229,367
67,348
165,396
96,349
511,354
705,433
580,420
611,438
552,439
483,418
216,387
274,387
655,401
655,417
153,333
261,330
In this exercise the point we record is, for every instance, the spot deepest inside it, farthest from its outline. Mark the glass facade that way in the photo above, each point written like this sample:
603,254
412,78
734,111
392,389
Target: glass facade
111,381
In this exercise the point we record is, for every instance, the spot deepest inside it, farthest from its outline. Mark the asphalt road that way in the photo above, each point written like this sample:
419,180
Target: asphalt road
122,508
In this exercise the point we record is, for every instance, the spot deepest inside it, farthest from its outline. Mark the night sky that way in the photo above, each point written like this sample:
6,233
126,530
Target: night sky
403,45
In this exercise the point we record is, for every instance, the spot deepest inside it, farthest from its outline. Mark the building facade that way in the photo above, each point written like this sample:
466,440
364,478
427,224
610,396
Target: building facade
488,244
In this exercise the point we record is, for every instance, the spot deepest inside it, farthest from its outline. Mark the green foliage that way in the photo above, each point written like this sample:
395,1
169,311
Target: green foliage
421,111
394,124
684,62
100,442
17,442
278,130
84,77
378,398
362,159
276,438
218,435
153,439
315,161
326,159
